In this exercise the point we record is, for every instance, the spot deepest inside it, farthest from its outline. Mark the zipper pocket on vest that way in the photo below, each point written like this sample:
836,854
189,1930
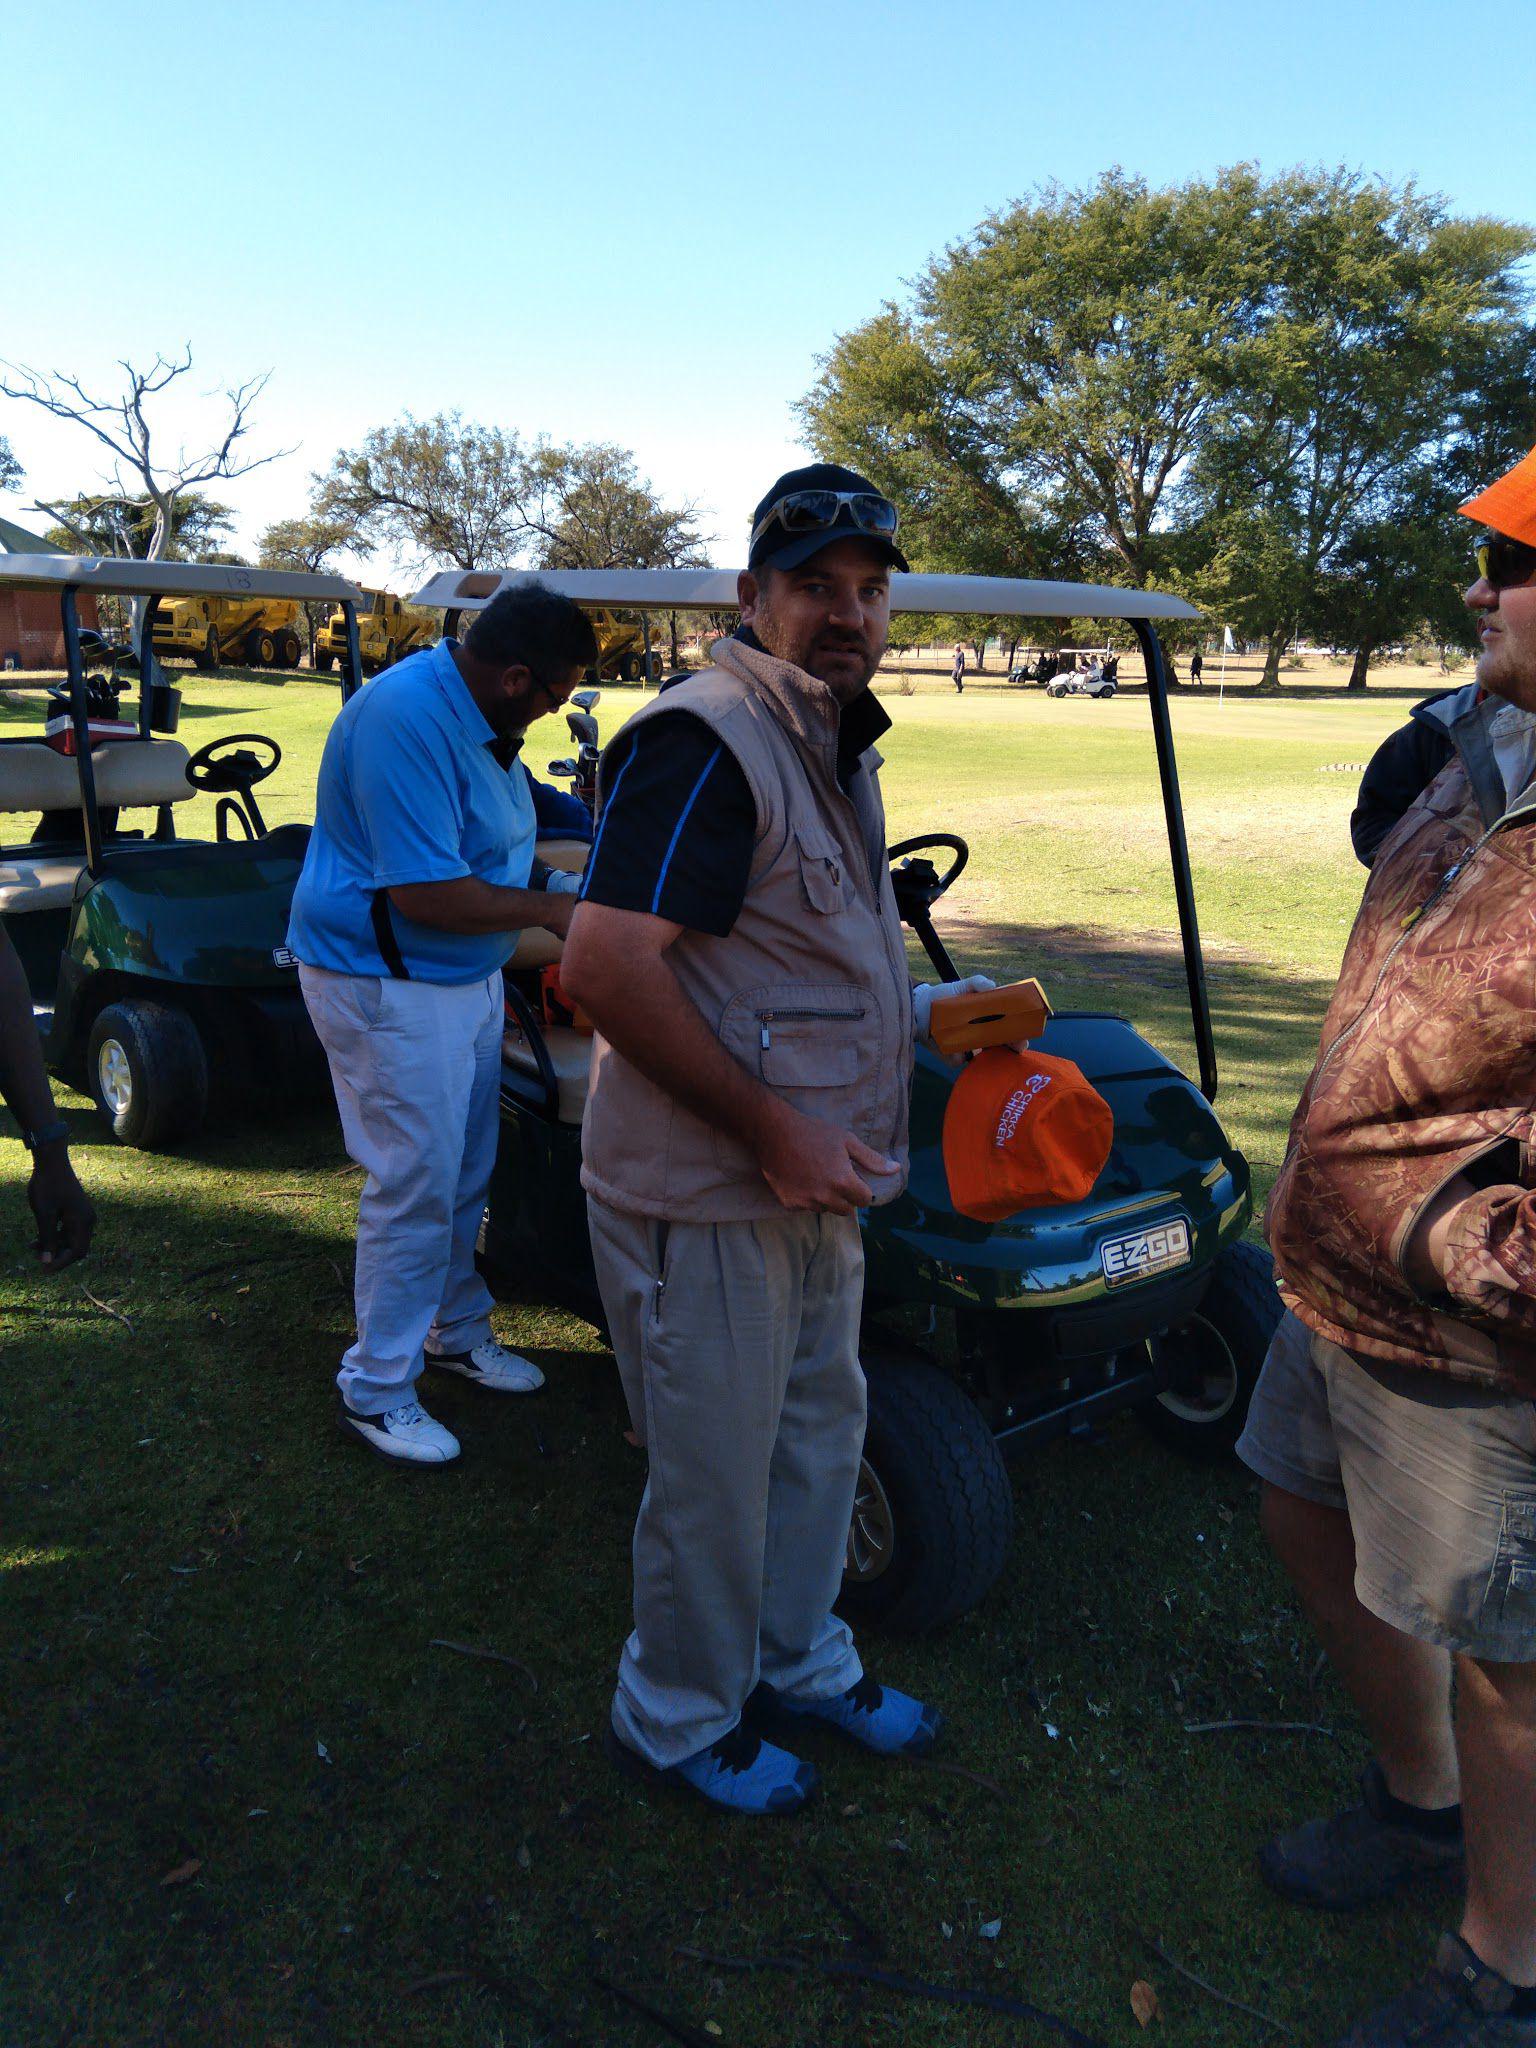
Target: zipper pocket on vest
767,1018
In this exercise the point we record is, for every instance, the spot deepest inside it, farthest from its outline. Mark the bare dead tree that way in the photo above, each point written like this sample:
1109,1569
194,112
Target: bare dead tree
123,426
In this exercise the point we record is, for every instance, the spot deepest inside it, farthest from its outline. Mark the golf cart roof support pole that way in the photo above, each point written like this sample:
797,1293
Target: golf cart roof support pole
1178,848
79,718
352,668
147,668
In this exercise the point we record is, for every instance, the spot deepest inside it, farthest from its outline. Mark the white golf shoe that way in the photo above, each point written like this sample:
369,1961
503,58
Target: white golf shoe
492,1366
407,1434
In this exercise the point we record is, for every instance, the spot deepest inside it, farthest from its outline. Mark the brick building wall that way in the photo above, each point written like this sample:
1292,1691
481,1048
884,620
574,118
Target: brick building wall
30,629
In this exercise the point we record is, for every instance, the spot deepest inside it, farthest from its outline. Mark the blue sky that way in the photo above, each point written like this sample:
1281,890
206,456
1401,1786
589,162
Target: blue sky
625,223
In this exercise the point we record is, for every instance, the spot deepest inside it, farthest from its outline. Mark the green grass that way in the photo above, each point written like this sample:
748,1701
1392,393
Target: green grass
202,1586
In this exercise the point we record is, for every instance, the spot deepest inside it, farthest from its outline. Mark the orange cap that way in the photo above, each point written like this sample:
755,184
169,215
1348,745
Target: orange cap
1509,506
1022,1130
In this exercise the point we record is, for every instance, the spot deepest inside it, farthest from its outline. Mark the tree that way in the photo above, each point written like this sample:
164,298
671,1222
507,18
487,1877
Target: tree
11,471
589,508
1356,393
124,427
438,490
105,524
1053,375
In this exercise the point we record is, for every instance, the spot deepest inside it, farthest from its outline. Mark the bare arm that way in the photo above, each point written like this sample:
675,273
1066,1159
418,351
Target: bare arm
469,905
65,1218
615,967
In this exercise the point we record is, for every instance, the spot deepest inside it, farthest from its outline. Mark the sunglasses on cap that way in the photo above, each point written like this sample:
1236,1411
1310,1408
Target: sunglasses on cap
819,511
1505,564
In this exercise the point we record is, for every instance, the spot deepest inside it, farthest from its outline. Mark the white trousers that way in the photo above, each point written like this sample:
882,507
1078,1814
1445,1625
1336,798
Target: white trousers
417,1073
738,1345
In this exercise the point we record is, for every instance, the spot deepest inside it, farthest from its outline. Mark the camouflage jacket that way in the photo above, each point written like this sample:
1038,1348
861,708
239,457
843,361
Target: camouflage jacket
1426,1070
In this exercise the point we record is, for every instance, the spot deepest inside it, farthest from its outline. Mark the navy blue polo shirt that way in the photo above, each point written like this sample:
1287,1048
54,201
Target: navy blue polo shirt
410,790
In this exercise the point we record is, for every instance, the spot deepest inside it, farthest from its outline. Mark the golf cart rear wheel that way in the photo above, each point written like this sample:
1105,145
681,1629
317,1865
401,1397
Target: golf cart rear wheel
148,1072
1216,1355
933,1510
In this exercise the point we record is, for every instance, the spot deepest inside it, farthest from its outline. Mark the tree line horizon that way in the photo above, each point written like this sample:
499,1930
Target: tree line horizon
1265,393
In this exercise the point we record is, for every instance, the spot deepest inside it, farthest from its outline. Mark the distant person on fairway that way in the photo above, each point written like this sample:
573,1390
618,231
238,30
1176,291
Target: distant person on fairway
1197,668
957,673
419,876
1394,1424
739,950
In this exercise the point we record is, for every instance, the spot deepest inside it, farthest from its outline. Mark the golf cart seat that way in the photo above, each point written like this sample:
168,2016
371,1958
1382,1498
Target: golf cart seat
35,778
539,948
570,1054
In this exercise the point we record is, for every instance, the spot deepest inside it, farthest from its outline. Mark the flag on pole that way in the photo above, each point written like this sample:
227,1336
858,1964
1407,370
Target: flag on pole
1228,645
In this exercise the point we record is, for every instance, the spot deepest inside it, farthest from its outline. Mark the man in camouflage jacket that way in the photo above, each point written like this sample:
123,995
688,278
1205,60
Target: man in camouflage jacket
1394,1423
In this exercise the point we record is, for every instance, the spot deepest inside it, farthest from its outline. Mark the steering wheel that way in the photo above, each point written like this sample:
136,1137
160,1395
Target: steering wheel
923,876
209,769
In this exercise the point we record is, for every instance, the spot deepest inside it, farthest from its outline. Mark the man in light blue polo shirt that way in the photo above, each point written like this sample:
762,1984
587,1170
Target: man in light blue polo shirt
420,875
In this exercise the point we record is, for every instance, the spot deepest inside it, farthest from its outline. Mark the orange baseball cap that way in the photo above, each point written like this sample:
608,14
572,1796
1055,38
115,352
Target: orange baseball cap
1509,506
1022,1130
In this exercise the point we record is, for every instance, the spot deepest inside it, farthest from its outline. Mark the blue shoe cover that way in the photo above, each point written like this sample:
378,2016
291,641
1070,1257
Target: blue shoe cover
875,1716
740,1772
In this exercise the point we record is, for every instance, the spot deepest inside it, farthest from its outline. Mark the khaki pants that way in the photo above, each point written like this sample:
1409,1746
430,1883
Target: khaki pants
738,1347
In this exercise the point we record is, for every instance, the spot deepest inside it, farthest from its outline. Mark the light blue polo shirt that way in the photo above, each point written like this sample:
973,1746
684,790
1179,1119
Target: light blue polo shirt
410,791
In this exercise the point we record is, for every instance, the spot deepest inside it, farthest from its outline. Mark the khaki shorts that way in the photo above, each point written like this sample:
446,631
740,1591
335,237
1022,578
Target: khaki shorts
1438,1479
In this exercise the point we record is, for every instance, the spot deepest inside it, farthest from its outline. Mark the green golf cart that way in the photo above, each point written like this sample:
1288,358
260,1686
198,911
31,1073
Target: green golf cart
156,962
982,1341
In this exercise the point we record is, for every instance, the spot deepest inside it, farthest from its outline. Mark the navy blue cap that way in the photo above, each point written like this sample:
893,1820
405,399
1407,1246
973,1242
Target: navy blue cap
774,549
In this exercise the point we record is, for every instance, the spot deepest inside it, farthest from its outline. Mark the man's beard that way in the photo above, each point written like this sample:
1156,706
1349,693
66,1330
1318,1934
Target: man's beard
816,657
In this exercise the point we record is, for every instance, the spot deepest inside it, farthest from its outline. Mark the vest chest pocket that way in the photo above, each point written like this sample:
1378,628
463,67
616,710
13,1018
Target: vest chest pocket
823,881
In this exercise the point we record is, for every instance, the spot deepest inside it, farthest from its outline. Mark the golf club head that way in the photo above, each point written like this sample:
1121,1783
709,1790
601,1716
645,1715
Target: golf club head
582,727
565,768
587,699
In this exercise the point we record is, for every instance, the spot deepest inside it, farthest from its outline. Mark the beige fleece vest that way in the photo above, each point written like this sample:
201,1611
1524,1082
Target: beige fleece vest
809,990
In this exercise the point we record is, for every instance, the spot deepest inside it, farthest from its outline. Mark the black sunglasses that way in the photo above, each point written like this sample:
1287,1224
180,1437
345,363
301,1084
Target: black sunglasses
1505,564
819,511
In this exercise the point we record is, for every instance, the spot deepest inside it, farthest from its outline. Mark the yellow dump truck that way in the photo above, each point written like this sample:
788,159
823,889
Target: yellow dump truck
621,655
230,629
387,631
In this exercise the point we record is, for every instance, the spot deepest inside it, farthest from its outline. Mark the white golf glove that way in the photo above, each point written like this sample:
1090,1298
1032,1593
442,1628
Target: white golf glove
559,883
924,993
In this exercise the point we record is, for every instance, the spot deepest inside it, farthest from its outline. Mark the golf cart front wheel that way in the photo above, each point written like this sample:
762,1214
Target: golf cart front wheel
933,1509
148,1072
1214,1357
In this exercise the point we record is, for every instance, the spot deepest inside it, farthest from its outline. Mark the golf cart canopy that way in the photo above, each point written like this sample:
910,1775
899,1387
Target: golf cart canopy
714,590
114,576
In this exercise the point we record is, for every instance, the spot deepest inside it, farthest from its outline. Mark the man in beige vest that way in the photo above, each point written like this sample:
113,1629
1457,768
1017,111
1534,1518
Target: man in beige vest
739,950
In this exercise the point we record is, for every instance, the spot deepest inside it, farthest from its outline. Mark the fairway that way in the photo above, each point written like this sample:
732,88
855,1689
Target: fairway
255,1795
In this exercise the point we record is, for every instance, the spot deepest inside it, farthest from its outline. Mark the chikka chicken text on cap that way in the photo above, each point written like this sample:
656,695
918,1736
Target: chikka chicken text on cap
1022,1130
1509,506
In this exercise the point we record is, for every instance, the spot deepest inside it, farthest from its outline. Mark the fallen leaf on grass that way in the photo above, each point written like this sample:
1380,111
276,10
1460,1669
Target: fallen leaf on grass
990,1929
1143,2002
183,1873
714,2027
322,1752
